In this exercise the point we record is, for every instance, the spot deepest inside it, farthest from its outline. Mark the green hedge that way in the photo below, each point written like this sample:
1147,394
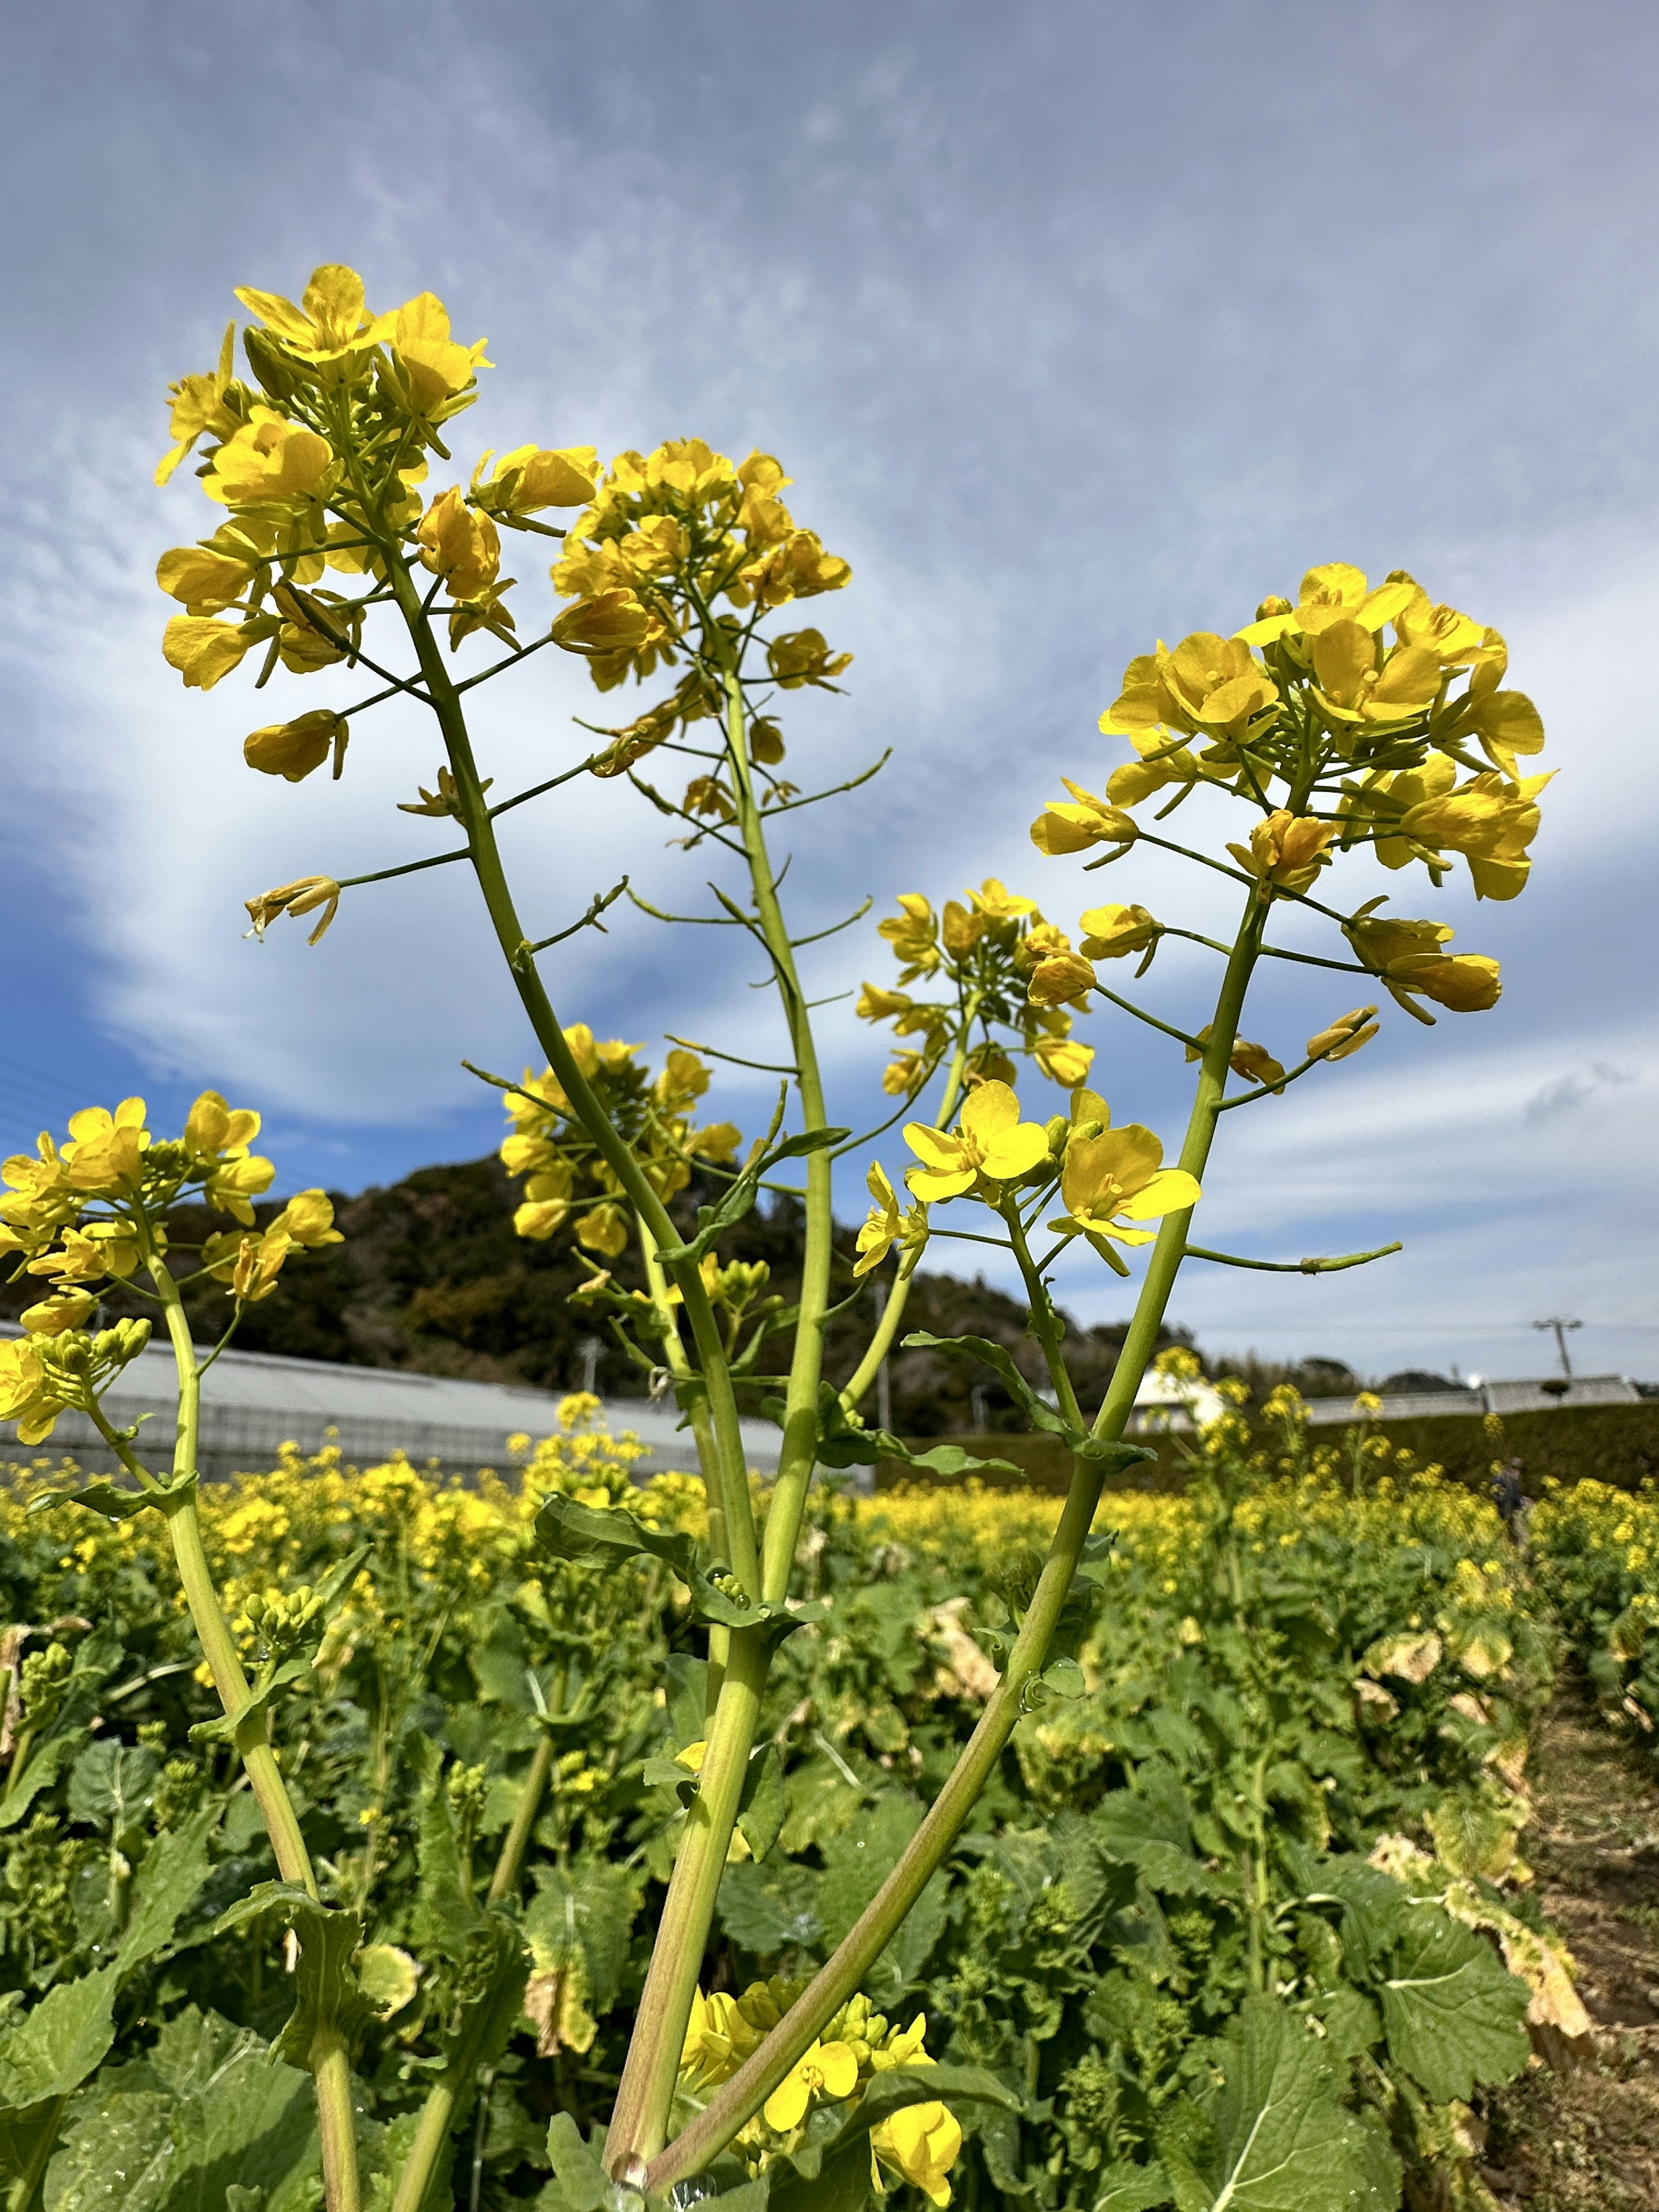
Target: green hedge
1619,1444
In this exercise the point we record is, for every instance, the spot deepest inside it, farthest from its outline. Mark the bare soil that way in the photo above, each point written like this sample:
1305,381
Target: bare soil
1583,2136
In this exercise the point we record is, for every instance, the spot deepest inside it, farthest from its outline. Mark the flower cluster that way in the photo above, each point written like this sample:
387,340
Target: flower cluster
93,1211
919,2144
552,1150
985,955
1109,1180
1361,715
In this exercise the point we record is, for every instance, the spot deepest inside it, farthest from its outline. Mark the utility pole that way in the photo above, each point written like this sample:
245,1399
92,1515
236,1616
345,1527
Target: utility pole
1561,1328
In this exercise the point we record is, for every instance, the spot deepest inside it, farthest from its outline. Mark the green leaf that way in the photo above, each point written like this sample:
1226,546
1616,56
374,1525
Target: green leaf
327,2000
221,2116
175,1868
1102,1450
858,1860
234,1727
1453,2015
110,1500
41,1773
1128,2188
607,1535
583,2184
1278,2138
594,1904
110,1785
52,2048
1065,1678
760,1814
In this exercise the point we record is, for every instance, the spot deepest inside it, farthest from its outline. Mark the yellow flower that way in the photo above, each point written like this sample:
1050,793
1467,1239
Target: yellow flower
332,321
1072,826
1346,1035
269,462
1063,1060
436,367
610,623
202,650
292,749
459,545
106,1155
27,1395
993,1142
103,1248
1333,593
1063,979
1111,1176
307,1220
198,408
1286,850
798,569
532,477
921,2142
886,1225
801,656
603,1230
1211,685
1407,956
1112,932
913,932
206,581
997,904
1489,821
304,896
826,2070
63,1309
1359,683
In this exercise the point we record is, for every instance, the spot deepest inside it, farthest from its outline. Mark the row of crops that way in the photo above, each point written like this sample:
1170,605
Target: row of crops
1243,1918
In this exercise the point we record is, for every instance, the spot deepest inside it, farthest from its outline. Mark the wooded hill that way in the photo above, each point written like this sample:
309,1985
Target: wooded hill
431,1276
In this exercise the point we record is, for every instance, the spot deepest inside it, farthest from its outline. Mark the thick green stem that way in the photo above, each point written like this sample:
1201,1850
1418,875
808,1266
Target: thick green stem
754,2081
648,2086
798,1453
639,2120
330,2060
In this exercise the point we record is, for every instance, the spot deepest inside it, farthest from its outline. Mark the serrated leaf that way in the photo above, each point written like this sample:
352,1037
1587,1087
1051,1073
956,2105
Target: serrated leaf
41,1773
169,1882
112,1503
609,1535
1278,2138
580,2181
1454,2016
327,2000
224,2117
53,2048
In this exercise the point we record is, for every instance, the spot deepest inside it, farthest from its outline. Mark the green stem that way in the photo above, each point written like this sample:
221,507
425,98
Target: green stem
330,2060
754,2081
639,2120
899,1297
445,700
510,1864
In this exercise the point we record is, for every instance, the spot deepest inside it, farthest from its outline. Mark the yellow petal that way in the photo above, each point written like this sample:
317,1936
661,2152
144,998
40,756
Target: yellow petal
1168,1192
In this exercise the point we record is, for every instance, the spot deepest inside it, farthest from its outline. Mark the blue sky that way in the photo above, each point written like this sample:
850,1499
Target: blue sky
1076,325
